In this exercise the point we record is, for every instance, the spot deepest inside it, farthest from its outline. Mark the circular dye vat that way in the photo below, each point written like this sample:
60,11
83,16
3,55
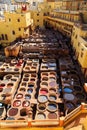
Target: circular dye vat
77,88
30,85
2,85
52,107
70,105
23,84
69,96
42,98
44,74
9,85
8,76
2,69
23,112
45,84
13,79
78,103
22,89
30,90
41,107
19,96
80,96
52,90
16,103
67,90
16,75
32,79
27,68
41,116
45,79
52,84
13,112
43,91
16,69
33,75
26,75
25,79
27,96
52,115
52,97
25,103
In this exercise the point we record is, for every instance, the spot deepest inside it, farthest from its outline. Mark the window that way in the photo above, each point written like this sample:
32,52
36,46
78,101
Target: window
19,29
13,32
6,37
81,54
18,20
78,43
9,19
2,36
76,36
34,3
38,20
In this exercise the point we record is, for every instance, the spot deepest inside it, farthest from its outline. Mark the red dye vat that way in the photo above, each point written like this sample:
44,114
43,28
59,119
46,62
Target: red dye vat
43,92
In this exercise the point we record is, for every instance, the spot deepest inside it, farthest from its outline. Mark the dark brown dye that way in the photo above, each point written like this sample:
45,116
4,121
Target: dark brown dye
45,83
16,69
22,89
2,69
34,64
21,119
32,79
33,75
52,90
45,78
16,75
1,89
26,75
45,74
52,116
13,79
42,107
80,96
9,85
77,88
44,67
23,84
13,111
8,76
25,79
23,112
33,67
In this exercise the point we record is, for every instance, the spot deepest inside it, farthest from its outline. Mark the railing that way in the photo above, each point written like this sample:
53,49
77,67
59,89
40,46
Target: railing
75,113
71,114
28,123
